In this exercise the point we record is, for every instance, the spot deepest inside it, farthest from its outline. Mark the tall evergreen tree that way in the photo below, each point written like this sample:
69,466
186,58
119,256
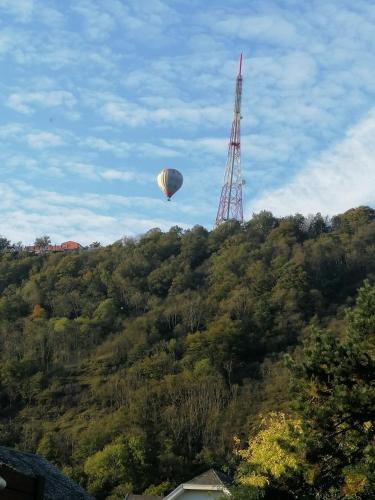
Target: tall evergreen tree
334,384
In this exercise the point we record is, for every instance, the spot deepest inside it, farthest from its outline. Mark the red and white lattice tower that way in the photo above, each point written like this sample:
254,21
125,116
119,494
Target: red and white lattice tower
230,205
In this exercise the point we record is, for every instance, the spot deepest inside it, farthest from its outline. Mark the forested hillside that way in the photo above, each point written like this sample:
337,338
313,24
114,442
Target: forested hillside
137,364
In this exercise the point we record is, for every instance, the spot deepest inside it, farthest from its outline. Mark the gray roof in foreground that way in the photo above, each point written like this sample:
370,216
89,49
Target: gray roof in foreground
57,486
131,496
211,478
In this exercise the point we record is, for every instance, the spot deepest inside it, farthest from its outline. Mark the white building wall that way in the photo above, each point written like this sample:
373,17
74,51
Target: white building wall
201,495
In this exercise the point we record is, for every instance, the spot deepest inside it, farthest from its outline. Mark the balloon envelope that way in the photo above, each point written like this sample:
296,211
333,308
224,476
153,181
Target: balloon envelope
170,180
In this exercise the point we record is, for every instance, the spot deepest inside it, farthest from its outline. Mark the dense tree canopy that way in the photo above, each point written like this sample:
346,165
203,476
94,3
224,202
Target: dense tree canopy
133,366
326,447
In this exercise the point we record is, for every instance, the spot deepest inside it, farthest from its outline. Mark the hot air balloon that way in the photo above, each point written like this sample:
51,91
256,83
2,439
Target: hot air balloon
169,181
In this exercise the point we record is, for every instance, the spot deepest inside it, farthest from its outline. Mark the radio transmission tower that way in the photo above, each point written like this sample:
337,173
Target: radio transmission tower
230,205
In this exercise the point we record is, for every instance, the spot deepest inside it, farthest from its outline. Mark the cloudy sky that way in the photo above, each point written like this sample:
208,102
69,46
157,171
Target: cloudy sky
98,95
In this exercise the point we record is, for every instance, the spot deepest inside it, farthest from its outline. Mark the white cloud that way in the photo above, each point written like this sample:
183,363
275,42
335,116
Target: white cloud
21,161
95,173
118,175
194,147
54,172
343,177
254,147
155,151
43,140
10,130
84,170
176,111
292,69
9,197
155,109
72,116
28,212
50,16
20,101
144,22
98,23
118,148
127,176
123,149
22,9
9,38
264,28
121,112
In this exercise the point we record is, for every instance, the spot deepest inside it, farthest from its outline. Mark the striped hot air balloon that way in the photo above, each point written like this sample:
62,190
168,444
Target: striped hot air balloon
169,181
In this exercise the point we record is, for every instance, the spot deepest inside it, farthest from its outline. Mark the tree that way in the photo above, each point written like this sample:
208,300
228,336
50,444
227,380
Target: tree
106,468
117,464
335,391
273,455
260,225
178,337
328,450
224,343
4,243
42,241
106,313
316,224
160,489
353,218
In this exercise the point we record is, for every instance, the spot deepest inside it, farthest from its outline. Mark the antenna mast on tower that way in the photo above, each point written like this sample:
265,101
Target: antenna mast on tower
230,205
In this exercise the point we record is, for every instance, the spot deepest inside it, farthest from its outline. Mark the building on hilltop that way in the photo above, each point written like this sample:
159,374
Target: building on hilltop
67,246
70,245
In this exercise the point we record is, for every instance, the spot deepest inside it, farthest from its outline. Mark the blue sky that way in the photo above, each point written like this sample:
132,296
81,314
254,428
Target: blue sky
97,96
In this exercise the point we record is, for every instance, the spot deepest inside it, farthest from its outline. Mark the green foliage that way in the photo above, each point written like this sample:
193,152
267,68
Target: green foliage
158,490
334,386
134,365
42,241
106,469
117,464
274,452
327,450
4,243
